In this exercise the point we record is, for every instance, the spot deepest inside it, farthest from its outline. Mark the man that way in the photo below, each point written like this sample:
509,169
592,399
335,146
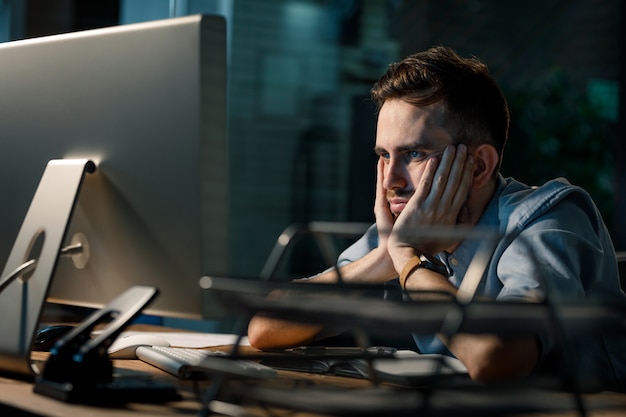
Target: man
442,126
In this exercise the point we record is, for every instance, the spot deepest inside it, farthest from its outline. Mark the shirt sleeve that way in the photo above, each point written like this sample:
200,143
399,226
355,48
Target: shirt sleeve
561,255
360,248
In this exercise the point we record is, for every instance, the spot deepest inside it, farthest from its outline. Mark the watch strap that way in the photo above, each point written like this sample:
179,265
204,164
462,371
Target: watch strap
422,261
408,269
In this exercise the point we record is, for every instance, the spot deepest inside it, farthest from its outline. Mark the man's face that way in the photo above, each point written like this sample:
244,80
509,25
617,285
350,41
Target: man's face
406,137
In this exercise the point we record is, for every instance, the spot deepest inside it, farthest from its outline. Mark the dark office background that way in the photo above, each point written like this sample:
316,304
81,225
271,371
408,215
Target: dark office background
301,129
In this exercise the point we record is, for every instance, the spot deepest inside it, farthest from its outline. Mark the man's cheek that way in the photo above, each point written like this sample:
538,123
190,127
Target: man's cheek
418,177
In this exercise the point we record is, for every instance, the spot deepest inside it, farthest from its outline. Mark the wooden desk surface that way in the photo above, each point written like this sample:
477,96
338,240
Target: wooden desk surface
18,395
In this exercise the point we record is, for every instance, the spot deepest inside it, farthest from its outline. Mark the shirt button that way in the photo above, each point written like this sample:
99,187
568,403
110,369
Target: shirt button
454,261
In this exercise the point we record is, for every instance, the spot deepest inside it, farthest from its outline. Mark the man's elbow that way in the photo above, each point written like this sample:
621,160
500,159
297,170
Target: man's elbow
258,336
264,340
501,362
495,368
259,343
493,372
265,333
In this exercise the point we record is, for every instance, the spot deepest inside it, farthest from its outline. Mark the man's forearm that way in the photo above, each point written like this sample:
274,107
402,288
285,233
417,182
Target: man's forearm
487,357
373,268
270,333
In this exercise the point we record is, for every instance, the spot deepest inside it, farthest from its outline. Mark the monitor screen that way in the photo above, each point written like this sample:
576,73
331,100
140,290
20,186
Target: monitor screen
147,103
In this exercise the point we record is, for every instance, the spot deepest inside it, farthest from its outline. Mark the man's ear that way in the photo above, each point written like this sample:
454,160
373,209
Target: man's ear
486,160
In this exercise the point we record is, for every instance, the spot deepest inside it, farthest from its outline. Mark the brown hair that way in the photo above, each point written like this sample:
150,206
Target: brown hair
475,108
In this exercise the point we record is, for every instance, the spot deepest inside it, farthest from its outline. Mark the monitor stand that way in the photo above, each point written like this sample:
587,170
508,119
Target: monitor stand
26,277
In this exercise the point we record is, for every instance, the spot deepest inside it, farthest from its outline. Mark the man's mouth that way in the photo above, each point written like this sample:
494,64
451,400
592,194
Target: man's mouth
396,205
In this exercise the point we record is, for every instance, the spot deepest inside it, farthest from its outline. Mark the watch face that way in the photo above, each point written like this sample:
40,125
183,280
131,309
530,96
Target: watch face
434,264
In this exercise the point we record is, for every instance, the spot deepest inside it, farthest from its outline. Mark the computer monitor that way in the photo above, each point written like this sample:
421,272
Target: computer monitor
147,103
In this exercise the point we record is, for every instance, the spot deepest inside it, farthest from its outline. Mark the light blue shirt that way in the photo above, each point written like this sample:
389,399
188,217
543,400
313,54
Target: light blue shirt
555,245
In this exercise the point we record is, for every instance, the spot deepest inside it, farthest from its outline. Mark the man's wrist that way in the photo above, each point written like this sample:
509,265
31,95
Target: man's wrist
422,261
411,265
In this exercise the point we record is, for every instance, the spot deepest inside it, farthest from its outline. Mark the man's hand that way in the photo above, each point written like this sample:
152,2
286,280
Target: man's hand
384,217
438,200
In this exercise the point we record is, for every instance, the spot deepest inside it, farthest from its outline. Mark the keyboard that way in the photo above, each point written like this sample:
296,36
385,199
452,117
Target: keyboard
186,363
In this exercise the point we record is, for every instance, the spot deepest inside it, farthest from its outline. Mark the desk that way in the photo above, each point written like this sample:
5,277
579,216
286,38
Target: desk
18,398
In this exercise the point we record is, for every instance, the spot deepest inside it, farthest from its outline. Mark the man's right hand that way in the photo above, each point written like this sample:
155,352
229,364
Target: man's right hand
384,220
438,201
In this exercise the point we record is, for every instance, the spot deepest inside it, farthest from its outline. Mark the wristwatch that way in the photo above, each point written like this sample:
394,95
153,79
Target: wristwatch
422,261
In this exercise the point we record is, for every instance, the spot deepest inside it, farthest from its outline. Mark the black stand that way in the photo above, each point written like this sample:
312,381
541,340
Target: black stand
79,369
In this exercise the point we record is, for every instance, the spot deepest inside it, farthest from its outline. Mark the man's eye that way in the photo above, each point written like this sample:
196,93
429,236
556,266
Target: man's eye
385,155
417,155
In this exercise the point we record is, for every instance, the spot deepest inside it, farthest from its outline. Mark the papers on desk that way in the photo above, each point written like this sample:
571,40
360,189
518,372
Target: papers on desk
196,340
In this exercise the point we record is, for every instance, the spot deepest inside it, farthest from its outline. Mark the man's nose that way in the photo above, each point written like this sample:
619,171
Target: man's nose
395,177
